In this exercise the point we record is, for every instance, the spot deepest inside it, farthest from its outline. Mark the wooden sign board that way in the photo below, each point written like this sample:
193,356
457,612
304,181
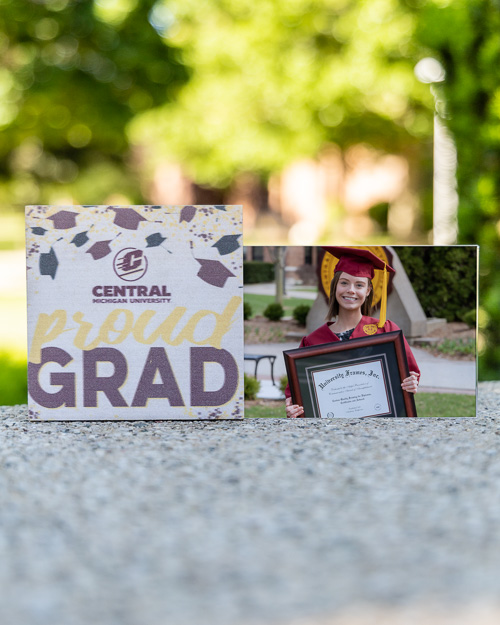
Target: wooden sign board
135,312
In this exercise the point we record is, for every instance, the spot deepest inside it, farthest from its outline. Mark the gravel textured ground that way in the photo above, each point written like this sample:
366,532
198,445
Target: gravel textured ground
257,522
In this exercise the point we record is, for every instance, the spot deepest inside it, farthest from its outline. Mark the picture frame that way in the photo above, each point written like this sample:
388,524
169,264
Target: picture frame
355,378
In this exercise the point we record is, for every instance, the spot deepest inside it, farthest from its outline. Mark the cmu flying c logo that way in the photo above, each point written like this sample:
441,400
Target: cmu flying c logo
130,264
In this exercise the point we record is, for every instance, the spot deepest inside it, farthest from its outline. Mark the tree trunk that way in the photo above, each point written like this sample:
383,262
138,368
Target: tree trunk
279,272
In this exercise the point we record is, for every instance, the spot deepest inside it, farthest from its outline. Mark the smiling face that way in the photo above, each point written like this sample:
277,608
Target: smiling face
351,291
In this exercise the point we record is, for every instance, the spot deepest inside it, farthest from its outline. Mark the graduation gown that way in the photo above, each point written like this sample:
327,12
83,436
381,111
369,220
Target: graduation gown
366,327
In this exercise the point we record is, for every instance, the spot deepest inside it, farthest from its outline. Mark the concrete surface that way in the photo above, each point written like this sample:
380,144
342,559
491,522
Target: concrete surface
260,522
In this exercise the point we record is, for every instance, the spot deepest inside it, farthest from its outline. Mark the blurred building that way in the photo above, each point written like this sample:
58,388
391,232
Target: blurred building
342,197
301,262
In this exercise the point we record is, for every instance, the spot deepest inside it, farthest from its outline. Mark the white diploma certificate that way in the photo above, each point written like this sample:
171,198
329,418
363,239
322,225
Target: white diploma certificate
353,390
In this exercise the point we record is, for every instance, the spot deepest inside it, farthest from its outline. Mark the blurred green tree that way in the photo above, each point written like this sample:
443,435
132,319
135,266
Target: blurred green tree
464,36
72,76
87,88
277,80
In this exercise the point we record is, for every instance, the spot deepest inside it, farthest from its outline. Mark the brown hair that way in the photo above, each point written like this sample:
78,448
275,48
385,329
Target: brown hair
333,305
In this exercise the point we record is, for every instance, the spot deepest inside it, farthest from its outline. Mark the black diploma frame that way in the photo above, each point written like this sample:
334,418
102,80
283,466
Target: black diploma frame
355,378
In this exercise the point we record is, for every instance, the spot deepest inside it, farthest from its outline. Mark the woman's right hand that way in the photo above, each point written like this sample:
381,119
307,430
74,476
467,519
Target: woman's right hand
293,410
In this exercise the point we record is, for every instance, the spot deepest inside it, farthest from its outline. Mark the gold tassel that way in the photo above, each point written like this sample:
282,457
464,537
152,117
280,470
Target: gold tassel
383,303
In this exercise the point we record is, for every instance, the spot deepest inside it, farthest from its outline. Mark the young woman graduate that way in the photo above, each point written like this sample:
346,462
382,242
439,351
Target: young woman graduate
351,296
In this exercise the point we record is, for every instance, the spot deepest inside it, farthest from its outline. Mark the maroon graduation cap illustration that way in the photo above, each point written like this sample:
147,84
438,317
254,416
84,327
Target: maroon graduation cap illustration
127,218
187,213
213,272
63,220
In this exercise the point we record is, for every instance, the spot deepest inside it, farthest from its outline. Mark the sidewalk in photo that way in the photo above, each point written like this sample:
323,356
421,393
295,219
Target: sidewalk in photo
439,375
291,290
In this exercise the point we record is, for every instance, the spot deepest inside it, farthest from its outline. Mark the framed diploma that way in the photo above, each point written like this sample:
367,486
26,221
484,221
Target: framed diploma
356,378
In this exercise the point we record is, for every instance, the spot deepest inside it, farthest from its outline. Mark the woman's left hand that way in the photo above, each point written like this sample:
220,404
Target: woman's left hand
410,384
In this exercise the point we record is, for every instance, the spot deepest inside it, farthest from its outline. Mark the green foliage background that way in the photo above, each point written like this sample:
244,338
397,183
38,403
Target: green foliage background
72,77
279,79
444,279
93,95
13,380
464,36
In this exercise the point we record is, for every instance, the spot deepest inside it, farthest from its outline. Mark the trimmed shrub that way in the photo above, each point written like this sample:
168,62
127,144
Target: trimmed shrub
283,383
252,387
444,279
255,271
247,311
274,311
300,313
